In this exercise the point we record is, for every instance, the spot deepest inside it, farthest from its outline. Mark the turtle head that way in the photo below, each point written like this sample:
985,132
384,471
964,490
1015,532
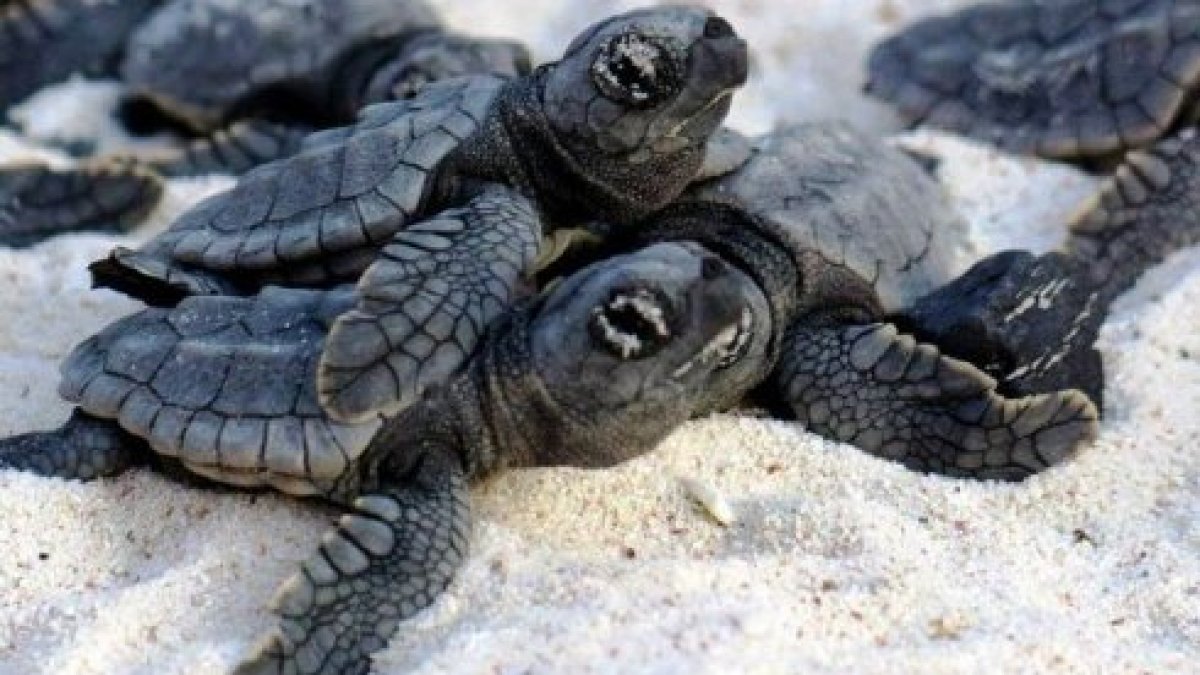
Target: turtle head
629,348
646,83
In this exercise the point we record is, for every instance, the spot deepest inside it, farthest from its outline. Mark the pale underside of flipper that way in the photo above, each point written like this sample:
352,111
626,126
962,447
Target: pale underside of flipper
426,302
875,388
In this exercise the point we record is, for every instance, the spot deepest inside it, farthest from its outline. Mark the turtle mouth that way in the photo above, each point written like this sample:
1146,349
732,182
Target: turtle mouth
703,117
632,324
725,349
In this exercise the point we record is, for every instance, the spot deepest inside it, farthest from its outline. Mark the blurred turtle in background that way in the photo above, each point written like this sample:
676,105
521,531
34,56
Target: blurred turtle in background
250,79
1068,79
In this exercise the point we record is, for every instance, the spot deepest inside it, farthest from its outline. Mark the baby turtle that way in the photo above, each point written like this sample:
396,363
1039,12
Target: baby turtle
254,78
845,236
207,63
225,387
290,67
45,41
1080,78
438,204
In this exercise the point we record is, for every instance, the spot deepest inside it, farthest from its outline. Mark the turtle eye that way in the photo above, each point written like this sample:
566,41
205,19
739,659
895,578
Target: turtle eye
636,70
631,324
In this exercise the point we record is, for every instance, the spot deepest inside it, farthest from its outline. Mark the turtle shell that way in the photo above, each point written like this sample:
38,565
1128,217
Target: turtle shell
226,385
198,59
347,190
859,202
1063,79
43,41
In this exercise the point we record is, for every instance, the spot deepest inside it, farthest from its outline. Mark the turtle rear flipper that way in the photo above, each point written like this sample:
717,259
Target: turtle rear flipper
37,202
387,560
83,448
425,303
1146,211
235,150
882,391
1028,321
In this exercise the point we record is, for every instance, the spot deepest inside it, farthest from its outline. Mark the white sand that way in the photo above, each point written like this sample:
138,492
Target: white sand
838,562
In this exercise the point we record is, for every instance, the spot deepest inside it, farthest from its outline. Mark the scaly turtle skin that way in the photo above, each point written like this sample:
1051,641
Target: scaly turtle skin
1070,78
594,372
438,204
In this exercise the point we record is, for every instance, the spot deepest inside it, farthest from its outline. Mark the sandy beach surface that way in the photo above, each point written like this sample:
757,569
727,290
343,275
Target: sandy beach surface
835,561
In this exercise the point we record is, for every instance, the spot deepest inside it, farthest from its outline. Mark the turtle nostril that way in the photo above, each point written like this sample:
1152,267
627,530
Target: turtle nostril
711,267
716,27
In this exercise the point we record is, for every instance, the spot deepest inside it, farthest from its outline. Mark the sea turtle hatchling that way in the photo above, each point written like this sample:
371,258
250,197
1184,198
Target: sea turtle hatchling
44,41
253,78
438,204
225,387
853,245
285,67
598,368
1066,79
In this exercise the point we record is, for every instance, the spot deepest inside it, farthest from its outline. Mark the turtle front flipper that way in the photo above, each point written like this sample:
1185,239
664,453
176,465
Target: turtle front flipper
1146,211
235,150
1029,321
882,391
83,448
425,303
38,202
387,560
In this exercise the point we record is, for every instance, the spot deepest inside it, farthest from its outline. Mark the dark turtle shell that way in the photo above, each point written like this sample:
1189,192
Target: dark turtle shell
1063,79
